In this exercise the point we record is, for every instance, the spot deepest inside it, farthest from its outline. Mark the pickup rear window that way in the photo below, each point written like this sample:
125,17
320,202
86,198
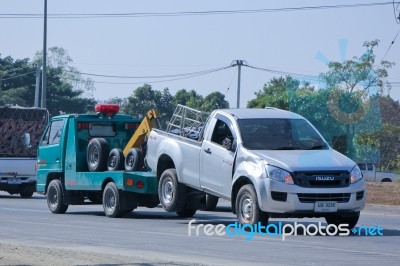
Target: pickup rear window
279,134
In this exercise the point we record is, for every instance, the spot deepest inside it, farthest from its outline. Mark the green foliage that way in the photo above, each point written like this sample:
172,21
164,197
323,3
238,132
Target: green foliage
65,88
214,100
145,98
359,72
275,93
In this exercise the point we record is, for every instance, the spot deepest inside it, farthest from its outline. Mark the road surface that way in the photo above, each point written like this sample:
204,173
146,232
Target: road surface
31,235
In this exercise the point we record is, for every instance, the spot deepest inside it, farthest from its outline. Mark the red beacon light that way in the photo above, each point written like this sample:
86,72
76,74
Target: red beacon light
108,110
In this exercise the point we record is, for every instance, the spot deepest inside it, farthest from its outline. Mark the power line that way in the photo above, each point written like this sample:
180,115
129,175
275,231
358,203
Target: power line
283,72
192,13
390,46
397,18
177,77
203,72
18,76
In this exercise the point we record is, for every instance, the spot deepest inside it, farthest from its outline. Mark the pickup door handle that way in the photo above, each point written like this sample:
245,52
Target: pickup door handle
208,151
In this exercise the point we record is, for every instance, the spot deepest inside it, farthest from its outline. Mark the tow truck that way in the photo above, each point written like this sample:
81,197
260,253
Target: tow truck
97,158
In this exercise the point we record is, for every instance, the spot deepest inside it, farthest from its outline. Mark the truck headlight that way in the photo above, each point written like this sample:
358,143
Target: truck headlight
355,175
279,175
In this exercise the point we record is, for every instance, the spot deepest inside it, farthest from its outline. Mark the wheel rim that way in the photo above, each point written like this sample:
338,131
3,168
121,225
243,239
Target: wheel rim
93,156
246,209
130,161
113,161
109,201
52,197
167,190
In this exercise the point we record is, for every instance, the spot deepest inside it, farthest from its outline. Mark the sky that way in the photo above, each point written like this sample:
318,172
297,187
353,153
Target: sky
298,41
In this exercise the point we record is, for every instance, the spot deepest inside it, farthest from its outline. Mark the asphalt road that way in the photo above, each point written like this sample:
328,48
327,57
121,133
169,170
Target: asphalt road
149,235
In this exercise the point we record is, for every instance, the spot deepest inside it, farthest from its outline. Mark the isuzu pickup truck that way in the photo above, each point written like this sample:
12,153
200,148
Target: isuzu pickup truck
266,162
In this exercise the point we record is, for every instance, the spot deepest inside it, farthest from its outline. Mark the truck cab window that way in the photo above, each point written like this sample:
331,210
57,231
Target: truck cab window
221,131
53,133
370,166
362,166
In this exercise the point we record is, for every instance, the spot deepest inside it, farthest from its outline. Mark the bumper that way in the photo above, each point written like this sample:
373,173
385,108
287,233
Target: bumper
299,201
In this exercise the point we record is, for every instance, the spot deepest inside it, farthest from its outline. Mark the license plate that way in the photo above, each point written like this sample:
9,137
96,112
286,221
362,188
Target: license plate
325,206
13,181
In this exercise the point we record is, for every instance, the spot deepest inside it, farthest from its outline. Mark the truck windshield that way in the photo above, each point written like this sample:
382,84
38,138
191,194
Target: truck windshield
279,134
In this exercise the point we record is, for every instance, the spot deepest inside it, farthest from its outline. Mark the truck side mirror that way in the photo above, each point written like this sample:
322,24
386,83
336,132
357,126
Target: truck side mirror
26,140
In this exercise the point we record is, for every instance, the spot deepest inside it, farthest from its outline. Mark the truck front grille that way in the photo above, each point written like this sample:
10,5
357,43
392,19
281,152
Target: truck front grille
313,197
322,179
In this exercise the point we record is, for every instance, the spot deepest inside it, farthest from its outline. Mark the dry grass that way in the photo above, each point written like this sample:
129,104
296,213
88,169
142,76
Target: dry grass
386,193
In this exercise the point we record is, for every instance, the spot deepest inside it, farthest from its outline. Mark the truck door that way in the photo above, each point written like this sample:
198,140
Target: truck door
50,154
216,160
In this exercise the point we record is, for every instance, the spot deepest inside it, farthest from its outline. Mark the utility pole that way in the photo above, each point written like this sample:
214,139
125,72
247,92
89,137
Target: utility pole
239,64
36,102
44,76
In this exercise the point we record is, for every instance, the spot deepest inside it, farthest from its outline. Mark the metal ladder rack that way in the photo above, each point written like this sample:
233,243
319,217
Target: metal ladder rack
187,122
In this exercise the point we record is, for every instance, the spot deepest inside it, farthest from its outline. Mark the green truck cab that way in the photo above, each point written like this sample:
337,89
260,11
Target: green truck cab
80,161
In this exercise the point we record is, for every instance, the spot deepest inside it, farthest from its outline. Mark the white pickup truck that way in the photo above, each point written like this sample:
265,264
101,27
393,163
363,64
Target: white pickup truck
19,126
266,162
370,174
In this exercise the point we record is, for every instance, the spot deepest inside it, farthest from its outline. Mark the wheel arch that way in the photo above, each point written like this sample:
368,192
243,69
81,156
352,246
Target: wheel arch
52,176
164,162
240,182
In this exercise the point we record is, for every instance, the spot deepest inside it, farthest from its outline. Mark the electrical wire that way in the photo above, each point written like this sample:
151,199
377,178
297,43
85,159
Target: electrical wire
192,13
153,77
18,76
177,77
390,46
284,72
394,10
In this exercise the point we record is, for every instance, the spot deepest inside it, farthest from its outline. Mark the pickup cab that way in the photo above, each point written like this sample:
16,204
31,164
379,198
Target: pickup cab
266,162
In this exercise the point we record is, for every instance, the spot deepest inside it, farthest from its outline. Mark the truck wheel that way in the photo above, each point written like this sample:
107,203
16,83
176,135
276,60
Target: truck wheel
55,199
97,154
134,160
172,194
186,213
247,208
115,161
386,180
26,194
351,219
211,203
111,204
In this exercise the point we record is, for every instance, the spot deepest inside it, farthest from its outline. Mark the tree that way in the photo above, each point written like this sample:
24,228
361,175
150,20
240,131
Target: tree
359,72
65,87
275,93
17,81
188,98
214,100
145,98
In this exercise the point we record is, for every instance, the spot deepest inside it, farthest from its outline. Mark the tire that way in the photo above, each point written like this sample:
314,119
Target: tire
97,154
350,219
211,202
115,161
134,160
186,213
26,194
386,180
55,200
247,208
111,203
172,194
